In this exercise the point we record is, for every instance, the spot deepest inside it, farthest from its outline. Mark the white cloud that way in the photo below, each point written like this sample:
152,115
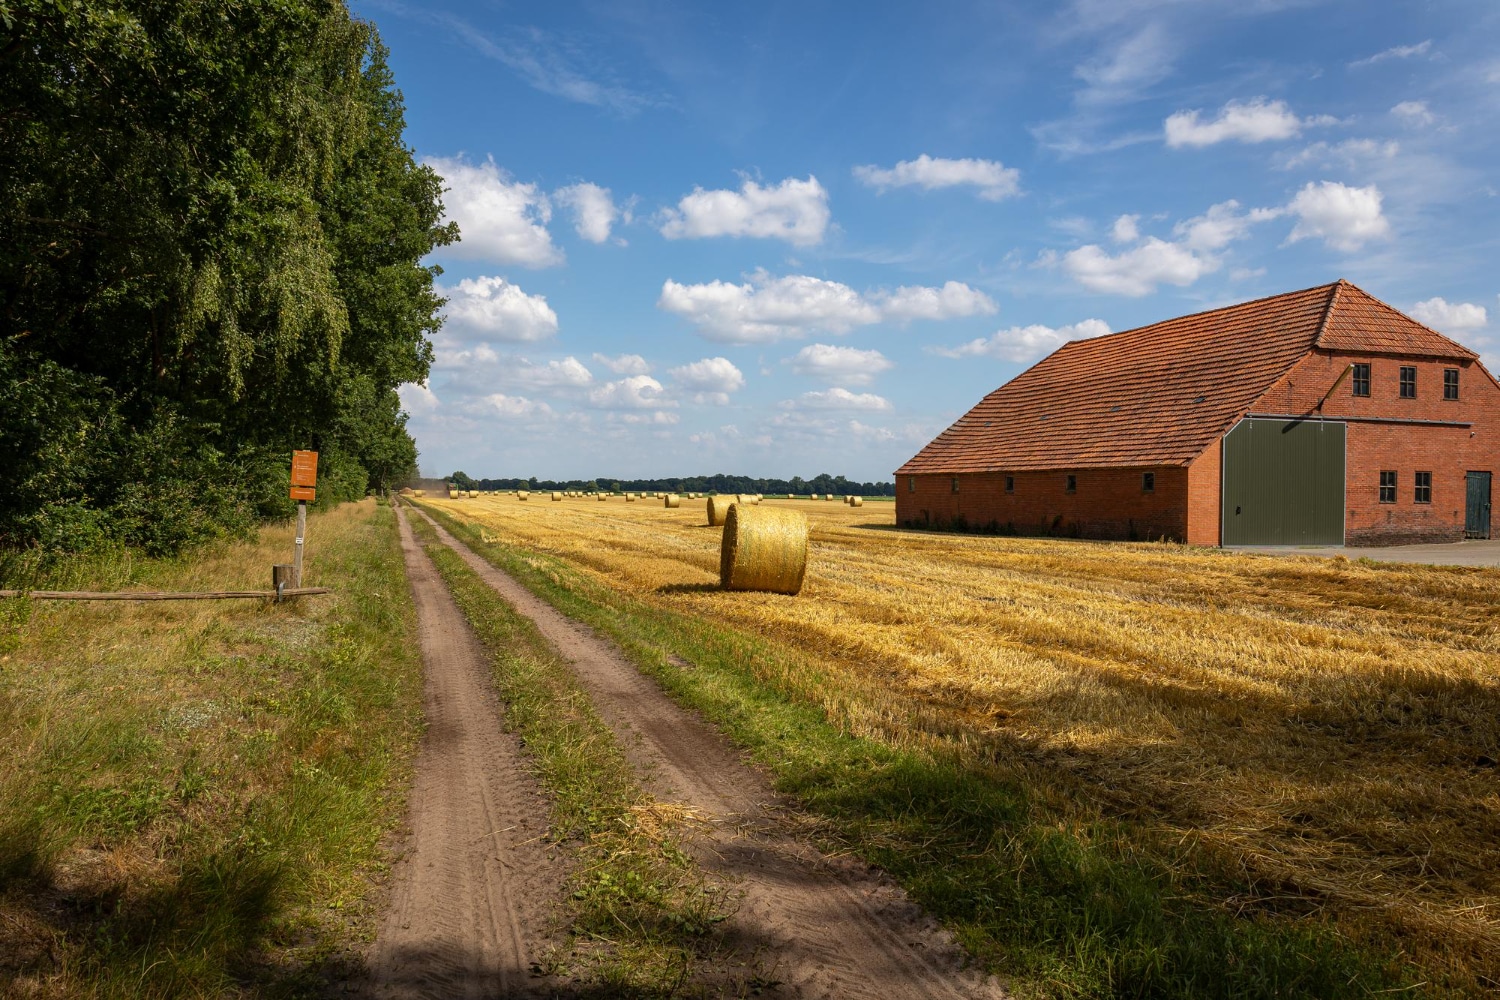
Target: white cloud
711,380
1021,344
416,398
1397,52
1345,218
1155,261
1440,314
635,392
1258,120
1126,229
954,300
500,220
494,309
657,418
1414,113
837,399
764,309
993,179
1349,152
594,211
625,364
511,407
841,364
569,373
795,211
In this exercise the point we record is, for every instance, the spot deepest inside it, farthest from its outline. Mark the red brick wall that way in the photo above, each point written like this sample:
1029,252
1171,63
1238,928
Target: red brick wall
1204,483
1109,503
1446,452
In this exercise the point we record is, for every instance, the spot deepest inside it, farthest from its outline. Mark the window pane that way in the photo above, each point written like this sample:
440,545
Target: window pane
1361,380
1408,382
1450,383
1387,486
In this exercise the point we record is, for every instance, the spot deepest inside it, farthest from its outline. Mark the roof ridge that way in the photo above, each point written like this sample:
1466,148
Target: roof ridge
1209,312
1333,301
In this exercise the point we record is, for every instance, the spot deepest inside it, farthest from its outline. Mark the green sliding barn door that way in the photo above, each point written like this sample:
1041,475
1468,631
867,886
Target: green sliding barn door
1284,483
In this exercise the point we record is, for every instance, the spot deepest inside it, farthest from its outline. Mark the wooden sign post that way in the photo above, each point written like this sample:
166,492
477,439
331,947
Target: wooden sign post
304,479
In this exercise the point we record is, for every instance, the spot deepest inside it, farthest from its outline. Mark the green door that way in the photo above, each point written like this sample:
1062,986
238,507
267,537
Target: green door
1477,507
1284,483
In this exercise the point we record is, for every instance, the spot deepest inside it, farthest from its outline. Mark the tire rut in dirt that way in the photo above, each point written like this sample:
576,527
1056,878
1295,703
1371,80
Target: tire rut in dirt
821,926
474,885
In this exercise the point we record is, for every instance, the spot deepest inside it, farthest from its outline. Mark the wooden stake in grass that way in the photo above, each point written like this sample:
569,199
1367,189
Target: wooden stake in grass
763,550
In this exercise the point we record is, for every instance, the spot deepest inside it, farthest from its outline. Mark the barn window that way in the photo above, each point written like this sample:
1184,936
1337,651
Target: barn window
911,484
1361,380
1388,487
1010,484
955,484
1424,488
1408,382
1450,383
1072,483
1148,482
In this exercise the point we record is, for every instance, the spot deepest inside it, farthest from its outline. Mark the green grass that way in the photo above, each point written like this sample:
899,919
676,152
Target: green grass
192,795
1059,908
642,914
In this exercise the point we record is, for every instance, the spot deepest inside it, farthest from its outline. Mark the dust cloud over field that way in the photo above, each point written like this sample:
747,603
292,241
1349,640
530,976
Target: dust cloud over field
1329,728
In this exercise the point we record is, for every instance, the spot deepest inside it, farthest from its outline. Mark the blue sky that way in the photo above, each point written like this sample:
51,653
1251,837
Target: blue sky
790,238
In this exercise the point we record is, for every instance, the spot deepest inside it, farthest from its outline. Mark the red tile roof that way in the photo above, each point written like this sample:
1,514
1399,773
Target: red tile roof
1160,394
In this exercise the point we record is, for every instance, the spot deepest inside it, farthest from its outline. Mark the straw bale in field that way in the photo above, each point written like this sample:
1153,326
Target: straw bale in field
630,498
603,497
522,494
718,509
671,500
473,494
856,501
556,495
763,550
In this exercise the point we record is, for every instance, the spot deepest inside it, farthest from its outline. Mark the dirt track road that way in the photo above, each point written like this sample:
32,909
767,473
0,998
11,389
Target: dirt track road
822,927
471,890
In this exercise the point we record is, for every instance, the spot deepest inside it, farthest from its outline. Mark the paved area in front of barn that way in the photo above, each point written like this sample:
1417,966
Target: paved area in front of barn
1475,552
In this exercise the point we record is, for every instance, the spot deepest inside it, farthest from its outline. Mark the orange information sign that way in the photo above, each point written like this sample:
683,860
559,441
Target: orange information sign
304,493
304,468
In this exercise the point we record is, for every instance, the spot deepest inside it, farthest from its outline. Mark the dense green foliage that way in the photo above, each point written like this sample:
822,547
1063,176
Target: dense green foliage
210,236
719,483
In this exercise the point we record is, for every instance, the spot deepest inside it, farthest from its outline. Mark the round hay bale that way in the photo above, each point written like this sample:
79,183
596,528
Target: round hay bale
718,509
856,501
630,498
603,497
763,550
671,500
419,493
556,495
473,494
522,494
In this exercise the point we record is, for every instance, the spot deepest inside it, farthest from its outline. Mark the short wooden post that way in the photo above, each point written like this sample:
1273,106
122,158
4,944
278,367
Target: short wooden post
281,578
301,530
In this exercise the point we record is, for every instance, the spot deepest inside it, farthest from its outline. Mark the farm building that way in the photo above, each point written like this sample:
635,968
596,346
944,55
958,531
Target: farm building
1322,416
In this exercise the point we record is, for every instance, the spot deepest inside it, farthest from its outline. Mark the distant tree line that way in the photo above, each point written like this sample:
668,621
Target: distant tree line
721,483
210,241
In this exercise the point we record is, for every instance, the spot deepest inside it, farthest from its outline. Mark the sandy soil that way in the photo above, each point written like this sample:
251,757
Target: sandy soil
474,885
819,926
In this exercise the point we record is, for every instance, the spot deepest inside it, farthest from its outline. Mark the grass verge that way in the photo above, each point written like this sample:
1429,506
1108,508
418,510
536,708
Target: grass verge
643,915
193,794
1060,906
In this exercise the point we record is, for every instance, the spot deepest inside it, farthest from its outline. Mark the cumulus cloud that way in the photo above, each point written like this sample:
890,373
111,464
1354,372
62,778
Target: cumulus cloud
565,374
1257,120
1155,261
839,364
1396,52
795,211
1021,344
1348,152
625,364
657,418
765,309
837,399
710,380
1413,113
494,309
416,398
498,404
1126,229
634,392
954,300
1440,314
1343,217
501,220
992,179
594,211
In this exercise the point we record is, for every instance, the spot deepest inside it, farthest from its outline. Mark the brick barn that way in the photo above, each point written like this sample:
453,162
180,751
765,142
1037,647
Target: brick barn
1322,416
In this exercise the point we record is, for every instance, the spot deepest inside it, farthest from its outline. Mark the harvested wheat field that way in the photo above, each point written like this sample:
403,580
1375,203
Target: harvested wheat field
1329,727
